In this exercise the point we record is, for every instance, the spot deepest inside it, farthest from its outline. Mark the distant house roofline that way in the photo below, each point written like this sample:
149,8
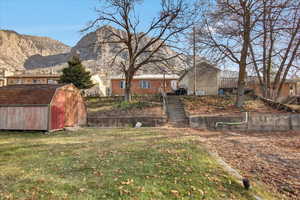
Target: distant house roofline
148,76
34,76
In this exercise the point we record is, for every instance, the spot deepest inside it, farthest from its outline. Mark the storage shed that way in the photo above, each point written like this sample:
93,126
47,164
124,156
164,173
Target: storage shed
41,107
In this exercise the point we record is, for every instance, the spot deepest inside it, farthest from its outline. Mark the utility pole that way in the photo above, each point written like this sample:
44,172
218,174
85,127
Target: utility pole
194,60
164,86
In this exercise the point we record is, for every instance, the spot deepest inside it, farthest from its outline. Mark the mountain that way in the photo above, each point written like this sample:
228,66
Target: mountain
16,49
39,53
98,54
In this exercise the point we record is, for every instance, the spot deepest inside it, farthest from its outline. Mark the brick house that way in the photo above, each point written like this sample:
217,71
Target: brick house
33,79
147,84
229,82
291,87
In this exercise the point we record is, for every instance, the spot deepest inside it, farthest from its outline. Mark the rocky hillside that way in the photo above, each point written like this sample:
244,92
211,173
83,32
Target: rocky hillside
36,53
16,49
98,53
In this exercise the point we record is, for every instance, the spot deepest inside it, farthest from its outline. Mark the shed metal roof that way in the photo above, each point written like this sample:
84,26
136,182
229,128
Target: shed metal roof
27,94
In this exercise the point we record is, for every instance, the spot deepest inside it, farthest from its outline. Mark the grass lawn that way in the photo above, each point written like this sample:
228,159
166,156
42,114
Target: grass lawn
112,164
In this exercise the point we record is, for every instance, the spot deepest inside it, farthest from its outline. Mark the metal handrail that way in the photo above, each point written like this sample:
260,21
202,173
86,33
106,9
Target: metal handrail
233,123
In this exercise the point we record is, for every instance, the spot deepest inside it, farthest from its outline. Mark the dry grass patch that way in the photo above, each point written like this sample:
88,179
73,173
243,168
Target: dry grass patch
115,107
223,105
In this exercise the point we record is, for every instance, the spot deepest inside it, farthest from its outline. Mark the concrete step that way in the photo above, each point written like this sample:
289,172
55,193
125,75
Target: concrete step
177,117
181,111
179,124
176,112
175,108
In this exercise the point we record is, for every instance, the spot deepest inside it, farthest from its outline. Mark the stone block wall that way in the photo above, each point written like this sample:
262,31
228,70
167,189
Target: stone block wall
256,122
119,122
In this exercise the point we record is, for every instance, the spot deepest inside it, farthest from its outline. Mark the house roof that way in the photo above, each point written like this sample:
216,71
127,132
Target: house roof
35,76
201,65
149,76
27,94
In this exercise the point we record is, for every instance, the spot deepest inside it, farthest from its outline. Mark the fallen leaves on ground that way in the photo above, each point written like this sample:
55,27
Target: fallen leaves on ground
220,105
273,158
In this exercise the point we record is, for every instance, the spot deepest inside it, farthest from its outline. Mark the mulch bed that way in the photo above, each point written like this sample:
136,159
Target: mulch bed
273,158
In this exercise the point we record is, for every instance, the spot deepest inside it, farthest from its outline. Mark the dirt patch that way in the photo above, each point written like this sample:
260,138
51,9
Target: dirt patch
218,105
273,158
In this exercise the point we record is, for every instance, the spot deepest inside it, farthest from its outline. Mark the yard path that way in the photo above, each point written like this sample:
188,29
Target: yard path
273,158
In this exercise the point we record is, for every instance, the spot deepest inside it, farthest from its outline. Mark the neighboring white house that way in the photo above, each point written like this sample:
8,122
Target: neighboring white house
101,87
207,79
4,73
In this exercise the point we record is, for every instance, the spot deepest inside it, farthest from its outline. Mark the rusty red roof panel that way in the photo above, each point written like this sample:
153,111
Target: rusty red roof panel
27,94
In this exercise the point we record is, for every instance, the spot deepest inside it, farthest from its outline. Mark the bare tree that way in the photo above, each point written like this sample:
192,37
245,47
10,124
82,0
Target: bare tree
225,30
141,46
261,34
278,35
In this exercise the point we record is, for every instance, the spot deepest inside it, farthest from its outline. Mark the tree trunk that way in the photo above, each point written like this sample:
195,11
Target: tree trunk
264,90
264,60
241,87
243,60
127,94
127,91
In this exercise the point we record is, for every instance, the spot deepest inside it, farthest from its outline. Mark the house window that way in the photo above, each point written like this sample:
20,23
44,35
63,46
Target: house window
144,84
51,81
122,84
34,81
18,81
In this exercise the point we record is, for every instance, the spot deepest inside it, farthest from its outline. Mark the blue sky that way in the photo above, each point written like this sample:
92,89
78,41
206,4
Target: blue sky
58,19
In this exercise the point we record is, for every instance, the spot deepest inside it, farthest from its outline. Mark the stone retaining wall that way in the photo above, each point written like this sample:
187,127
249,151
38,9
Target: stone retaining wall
256,122
119,122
